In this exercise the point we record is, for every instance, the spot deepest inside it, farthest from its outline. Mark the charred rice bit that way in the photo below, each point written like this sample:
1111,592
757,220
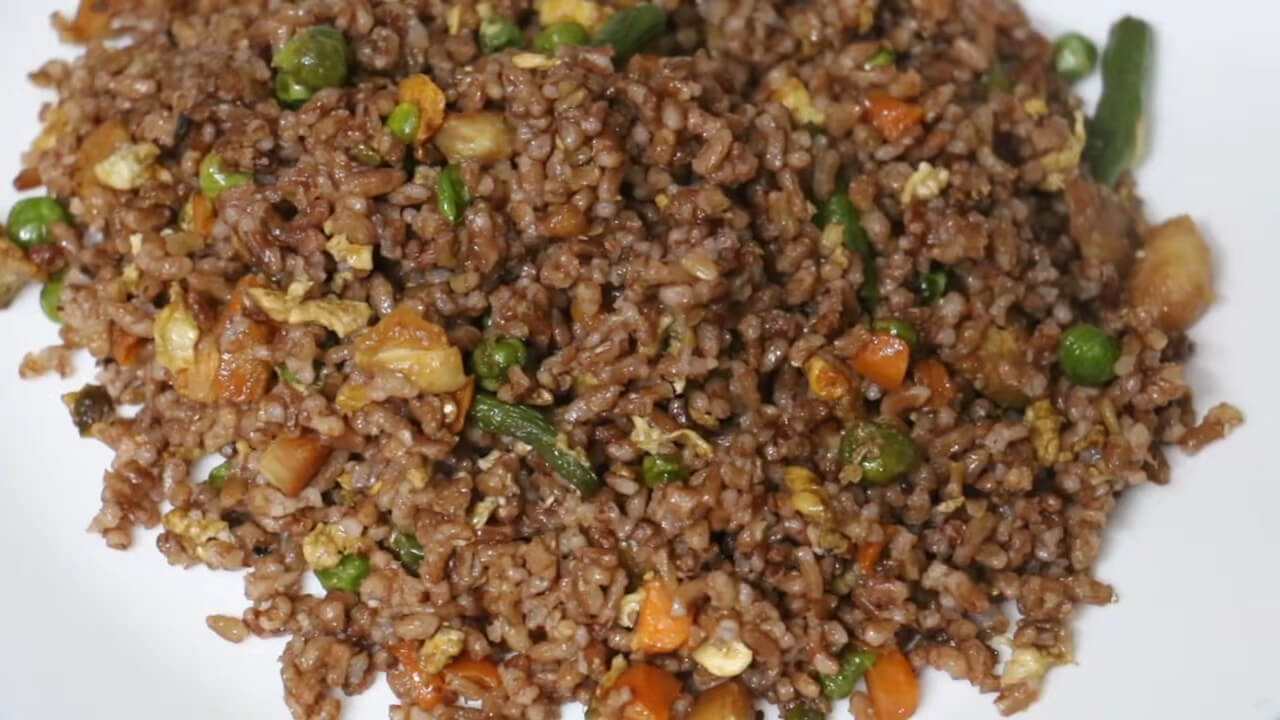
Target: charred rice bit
644,229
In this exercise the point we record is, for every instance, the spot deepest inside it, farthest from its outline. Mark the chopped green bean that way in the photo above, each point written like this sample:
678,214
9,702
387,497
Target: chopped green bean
452,196
1088,355
347,575
662,469
51,296
931,286
404,121
408,550
561,33
839,210
30,221
215,180
900,329
493,357
883,58
218,476
498,33
853,665
1074,56
1115,133
631,29
884,453
525,425
313,59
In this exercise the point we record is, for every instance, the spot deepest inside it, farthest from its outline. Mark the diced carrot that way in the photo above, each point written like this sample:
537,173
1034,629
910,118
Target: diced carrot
428,691
653,692
289,463
481,672
124,346
242,377
884,360
868,556
657,629
893,687
894,118
934,375
202,215
463,399
28,179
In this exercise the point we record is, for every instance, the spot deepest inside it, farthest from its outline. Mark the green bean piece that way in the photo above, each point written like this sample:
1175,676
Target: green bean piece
804,712
631,29
884,453
498,33
853,665
89,406
30,220
493,357
1074,57
1115,133
524,424
931,286
561,33
215,179
409,550
883,58
662,469
900,329
366,155
1088,355
218,476
347,575
404,121
839,210
452,196
313,59
51,296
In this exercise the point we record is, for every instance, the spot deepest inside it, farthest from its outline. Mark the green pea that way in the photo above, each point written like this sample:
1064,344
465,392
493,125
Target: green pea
493,357
884,58
561,33
452,195
900,329
884,453
1088,355
853,665
31,218
409,550
218,476
804,712
931,286
499,33
404,121
1074,56
215,179
631,29
51,296
313,59
366,155
662,469
347,575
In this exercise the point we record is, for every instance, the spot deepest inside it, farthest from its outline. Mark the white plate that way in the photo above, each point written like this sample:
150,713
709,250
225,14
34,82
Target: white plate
91,633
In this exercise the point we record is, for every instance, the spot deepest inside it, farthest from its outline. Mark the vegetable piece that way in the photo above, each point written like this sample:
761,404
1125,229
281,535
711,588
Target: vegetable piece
893,687
347,575
900,329
825,381
1074,56
658,630
934,375
462,399
868,556
884,360
51,296
653,692
366,155
1115,134
482,135
88,407
408,550
215,180
1173,277
723,657
561,33
218,476
884,57
839,210
16,271
527,426
883,452
726,701
420,90
30,220
931,286
493,357
479,671
452,195
853,665
662,469
289,463
894,118
631,29
313,59
405,343
425,690
1088,355
498,33
404,122
804,712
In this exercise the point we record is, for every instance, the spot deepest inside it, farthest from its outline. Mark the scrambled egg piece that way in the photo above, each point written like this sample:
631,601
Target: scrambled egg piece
176,332
587,13
629,608
926,183
533,61
724,658
325,545
794,96
357,257
1036,107
1059,163
825,381
1028,665
454,19
127,168
1045,424
16,271
650,439
441,649
195,532
484,510
341,316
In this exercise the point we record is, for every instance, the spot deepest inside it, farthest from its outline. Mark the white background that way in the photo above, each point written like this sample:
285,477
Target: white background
91,633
